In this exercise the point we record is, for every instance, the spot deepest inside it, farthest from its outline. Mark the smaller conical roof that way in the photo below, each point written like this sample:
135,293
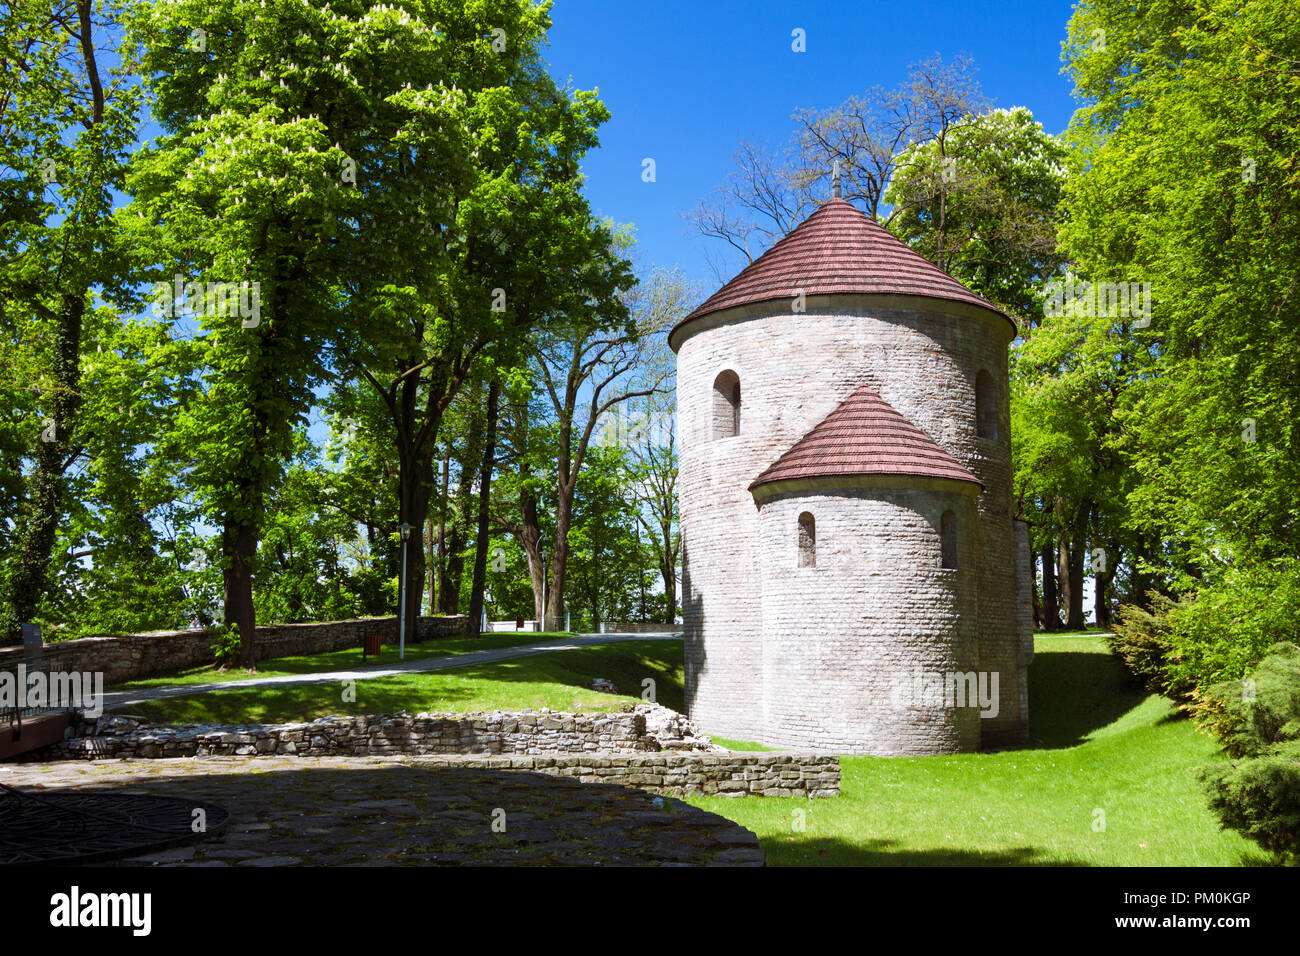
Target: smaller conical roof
865,435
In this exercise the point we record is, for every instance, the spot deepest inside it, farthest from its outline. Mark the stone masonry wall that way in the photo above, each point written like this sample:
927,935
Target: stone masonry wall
646,727
751,774
922,357
639,628
650,747
842,641
126,657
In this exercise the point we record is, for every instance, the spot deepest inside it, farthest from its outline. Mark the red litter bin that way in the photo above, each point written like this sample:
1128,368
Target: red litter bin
371,645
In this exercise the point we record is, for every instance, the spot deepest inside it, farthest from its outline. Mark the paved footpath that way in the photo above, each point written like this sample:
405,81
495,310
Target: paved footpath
367,811
123,698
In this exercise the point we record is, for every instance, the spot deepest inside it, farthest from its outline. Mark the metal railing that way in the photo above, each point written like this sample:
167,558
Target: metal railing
48,660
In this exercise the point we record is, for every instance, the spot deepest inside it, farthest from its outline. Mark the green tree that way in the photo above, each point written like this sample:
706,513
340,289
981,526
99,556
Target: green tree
66,127
1188,180
979,200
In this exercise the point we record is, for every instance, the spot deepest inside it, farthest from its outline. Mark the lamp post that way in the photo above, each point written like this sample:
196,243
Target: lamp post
401,594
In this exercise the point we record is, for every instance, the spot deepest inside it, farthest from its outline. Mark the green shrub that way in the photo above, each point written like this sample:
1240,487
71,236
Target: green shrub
225,643
1216,634
1143,640
1257,792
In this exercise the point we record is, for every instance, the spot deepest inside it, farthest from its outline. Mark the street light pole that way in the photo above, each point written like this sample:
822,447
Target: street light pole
401,595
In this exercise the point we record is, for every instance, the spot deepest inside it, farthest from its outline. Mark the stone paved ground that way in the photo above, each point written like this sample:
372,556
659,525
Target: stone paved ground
369,811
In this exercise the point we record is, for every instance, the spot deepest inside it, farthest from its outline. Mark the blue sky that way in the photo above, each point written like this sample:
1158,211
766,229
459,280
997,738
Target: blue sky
687,81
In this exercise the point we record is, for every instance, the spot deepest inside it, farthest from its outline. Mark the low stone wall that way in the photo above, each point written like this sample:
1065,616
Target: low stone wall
125,657
639,628
644,728
729,774
649,746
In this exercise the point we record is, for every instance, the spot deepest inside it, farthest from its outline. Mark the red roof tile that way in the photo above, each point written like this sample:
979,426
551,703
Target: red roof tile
865,435
838,249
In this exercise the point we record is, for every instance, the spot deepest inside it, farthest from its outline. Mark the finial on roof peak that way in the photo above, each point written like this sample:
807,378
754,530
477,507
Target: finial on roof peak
835,180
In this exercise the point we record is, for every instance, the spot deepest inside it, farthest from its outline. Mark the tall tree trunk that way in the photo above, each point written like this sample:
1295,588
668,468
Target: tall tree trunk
1051,600
1064,579
238,546
472,627
530,540
669,573
470,459
431,564
417,476
640,576
444,585
1040,620
1078,544
560,553
1101,600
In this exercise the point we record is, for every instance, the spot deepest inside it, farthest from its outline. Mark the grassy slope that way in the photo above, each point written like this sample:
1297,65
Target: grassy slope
558,680
1099,744
349,659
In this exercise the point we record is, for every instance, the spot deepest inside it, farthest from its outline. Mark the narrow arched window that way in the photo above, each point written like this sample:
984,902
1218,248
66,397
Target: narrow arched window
726,405
807,541
986,406
948,541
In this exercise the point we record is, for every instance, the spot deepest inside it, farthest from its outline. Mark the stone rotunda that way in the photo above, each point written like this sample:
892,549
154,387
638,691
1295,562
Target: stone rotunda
853,580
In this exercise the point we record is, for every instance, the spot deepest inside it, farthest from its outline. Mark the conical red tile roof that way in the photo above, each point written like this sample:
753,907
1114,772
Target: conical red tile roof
865,435
838,249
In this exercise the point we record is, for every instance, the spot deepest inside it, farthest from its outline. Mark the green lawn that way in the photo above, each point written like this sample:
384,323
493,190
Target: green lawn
559,680
348,659
1098,744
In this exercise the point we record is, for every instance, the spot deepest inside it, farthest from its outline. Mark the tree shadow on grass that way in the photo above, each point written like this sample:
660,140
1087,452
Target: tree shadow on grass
291,703
1073,694
827,851
627,665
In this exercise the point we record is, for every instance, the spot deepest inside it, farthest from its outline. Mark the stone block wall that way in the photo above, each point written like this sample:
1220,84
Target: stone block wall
649,747
639,628
751,774
647,727
843,640
126,657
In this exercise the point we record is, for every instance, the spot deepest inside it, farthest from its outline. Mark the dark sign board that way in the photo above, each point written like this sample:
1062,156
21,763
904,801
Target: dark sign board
31,639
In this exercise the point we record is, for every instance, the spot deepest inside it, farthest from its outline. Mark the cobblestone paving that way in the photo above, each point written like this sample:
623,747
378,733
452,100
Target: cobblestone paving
359,811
